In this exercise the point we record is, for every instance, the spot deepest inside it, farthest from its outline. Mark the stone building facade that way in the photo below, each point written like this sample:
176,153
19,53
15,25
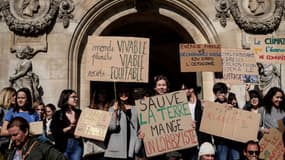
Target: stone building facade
52,36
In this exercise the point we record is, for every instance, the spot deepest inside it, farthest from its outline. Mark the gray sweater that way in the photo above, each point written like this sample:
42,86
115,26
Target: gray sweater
117,145
270,120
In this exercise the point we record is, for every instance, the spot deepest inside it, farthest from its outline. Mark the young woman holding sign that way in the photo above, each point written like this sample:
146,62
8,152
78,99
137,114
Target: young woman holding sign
161,84
94,149
63,125
124,140
273,110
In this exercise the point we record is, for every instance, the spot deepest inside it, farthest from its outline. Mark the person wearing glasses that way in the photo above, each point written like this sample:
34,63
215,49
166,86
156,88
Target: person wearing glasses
63,124
251,150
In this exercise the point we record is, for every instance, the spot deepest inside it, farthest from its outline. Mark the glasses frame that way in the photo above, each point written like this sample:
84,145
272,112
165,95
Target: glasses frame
253,152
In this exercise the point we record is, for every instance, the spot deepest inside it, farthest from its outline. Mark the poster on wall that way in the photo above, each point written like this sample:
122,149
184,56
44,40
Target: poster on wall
200,58
238,64
166,122
117,59
268,48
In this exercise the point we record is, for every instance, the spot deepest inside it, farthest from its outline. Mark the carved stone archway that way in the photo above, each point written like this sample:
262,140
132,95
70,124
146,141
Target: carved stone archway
105,12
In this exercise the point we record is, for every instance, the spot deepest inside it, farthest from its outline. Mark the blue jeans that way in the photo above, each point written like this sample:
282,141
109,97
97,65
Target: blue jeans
234,154
226,153
74,149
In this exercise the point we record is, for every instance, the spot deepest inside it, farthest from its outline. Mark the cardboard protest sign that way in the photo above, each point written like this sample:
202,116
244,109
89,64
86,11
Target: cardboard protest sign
167,123
271,145
236,64
281,126
268,48
200,57
93,124
117,59
230,123
36,128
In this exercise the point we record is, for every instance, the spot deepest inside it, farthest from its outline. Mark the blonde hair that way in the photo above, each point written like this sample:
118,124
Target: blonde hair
37,103
6,95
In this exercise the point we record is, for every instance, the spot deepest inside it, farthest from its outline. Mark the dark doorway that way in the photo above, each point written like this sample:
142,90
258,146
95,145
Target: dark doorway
165,36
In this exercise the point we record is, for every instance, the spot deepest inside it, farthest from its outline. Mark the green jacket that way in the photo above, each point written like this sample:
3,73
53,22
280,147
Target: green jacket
39,151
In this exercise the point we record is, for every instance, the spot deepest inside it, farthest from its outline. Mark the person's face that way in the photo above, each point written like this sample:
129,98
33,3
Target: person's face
251,152
161,87
18,137
48,112
254,102
124,95
188,91
234,102
221,96
102,96
72,100
276,99
207,157
40,110
21,99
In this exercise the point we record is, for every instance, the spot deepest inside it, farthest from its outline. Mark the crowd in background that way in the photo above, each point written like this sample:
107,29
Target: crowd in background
124,138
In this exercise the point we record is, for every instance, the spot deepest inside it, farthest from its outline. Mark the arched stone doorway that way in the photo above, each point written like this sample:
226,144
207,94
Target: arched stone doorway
166,23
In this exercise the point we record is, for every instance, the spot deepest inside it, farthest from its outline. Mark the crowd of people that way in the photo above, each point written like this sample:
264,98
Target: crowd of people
124,139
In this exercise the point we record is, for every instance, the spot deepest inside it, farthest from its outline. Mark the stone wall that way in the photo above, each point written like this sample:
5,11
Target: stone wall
53,67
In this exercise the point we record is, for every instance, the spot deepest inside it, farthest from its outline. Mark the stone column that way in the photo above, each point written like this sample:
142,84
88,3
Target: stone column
207,85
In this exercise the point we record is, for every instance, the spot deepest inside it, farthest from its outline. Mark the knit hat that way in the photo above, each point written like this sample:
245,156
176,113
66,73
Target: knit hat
206,148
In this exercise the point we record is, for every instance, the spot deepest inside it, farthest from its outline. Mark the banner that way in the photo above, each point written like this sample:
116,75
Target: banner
236,64
231,123
268,48
36,128
200,58
271,145
93,124
117,59
167,123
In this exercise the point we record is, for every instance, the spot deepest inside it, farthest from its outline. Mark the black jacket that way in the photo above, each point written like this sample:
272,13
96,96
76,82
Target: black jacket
60,121
39,151
202,137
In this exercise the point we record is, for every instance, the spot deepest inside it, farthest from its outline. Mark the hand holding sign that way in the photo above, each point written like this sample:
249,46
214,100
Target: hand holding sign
120,59
166,122
234,124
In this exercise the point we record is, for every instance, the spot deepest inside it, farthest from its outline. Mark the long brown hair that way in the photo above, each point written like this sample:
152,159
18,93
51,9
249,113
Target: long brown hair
95,102
130,101
63,99
29,103
6,95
